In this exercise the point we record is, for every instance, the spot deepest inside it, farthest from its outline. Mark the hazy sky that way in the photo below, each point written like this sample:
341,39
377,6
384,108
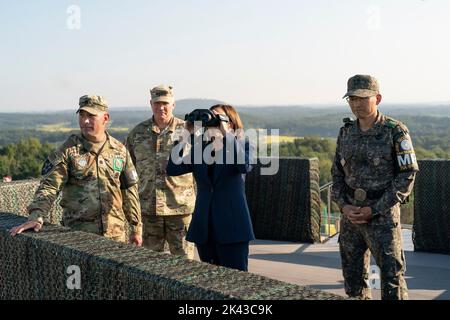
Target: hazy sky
245,52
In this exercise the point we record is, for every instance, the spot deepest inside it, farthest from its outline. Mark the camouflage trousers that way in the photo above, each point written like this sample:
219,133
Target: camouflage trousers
173,229
383,239
95,227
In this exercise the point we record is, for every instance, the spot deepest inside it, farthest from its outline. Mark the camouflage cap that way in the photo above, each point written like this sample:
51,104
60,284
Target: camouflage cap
93,104
362,86
162,93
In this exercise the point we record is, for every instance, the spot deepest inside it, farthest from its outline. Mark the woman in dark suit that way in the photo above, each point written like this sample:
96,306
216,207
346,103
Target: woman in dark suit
221,226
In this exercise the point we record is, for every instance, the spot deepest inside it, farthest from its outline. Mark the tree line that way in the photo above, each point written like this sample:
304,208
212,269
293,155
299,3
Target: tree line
24,159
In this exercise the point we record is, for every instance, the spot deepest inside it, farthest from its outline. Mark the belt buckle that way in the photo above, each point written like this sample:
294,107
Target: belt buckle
360,195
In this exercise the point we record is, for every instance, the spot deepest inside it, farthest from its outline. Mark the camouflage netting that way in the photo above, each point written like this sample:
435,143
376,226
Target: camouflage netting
286,206
432,207
16,196
34,266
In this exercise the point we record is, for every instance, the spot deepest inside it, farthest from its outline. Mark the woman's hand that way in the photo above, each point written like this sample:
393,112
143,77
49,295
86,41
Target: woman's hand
224,127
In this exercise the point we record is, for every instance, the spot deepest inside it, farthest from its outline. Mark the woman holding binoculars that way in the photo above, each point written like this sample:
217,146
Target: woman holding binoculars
221,226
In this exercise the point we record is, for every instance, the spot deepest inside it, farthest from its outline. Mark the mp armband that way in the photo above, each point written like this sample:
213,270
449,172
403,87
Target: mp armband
406,157
128,178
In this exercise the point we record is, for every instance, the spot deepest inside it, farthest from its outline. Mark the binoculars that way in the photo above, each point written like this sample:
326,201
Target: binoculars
206,117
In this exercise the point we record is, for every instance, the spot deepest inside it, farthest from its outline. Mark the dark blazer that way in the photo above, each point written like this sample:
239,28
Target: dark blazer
221,204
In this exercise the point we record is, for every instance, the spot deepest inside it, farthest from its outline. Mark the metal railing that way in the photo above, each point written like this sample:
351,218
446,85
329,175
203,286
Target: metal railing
329,222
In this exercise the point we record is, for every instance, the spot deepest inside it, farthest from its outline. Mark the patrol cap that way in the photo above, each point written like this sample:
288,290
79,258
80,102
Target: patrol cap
362,86
162,93
93,104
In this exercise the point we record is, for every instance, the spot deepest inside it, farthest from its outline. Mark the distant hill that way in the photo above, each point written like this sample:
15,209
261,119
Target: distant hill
183,106
300,121
120,117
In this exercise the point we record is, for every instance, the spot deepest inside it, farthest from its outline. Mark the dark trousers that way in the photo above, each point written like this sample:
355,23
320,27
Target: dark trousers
384,241
232,255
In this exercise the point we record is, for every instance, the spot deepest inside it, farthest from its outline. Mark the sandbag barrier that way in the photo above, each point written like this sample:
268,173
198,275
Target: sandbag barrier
286,206
35,266
431,229
17,195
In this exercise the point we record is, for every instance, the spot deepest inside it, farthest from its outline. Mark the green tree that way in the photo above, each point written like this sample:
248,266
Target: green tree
24,159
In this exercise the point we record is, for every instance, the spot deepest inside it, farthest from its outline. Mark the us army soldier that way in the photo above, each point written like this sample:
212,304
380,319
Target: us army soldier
97,178
167,202
373,172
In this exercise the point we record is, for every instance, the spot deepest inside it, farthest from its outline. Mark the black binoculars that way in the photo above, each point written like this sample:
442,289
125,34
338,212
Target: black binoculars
206,117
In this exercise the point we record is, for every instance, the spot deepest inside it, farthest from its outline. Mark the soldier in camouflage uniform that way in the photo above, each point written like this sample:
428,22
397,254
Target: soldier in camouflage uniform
167,202
373,172
97,178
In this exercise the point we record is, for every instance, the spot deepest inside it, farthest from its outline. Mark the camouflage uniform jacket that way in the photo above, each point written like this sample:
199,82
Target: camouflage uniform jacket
93,189
150,148
380,160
